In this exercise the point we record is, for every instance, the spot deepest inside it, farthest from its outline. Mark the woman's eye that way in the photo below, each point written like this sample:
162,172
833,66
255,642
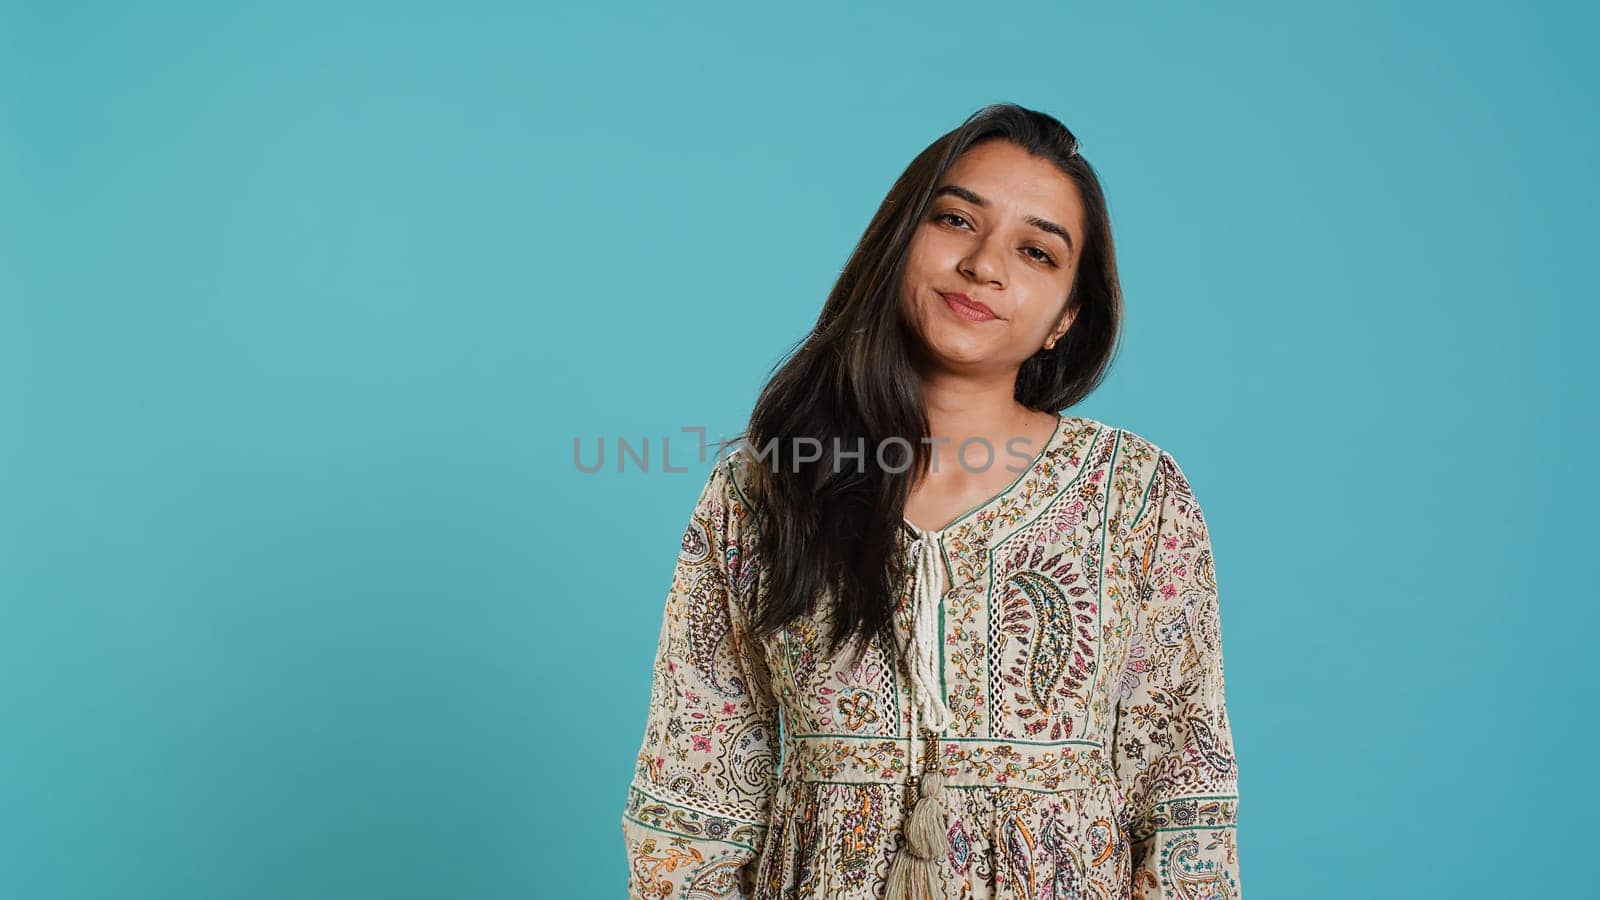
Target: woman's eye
956,219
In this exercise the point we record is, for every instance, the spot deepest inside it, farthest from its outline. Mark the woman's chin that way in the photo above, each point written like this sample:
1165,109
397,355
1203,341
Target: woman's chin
965,355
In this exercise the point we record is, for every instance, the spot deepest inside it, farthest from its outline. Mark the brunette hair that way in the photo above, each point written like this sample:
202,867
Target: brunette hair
829,531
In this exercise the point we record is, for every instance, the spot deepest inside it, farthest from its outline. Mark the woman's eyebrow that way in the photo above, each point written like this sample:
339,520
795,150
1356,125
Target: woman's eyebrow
1041,224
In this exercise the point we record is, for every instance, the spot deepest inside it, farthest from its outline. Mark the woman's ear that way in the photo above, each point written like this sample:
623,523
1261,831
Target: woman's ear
1060,329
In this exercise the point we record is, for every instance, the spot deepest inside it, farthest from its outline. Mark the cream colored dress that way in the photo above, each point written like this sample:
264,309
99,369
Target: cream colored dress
1060,664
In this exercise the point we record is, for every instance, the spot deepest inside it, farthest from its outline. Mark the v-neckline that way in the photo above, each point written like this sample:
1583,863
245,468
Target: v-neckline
936,533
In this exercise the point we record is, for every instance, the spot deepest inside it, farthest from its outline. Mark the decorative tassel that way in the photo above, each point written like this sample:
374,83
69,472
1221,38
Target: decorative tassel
899,887
913,879
914,874
925,835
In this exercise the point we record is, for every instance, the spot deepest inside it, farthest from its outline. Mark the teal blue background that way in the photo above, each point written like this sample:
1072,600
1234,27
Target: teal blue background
302,306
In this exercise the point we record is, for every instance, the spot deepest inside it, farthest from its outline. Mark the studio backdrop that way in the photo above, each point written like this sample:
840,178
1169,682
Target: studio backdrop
307,311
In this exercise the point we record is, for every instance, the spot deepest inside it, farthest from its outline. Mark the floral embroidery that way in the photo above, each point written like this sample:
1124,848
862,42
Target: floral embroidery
1090,753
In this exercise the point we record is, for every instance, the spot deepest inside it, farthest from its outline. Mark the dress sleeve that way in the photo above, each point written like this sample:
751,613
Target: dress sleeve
1172,746
696,813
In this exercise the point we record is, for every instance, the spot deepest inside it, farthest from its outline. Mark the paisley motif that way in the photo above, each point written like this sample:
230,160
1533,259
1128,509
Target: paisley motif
1194,874
1101,841
1060,654
695,547
708,630
716,881
1018,843
1052,636
1209,747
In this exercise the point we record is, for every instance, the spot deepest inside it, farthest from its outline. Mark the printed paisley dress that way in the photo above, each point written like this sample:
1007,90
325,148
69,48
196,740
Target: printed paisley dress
1077,657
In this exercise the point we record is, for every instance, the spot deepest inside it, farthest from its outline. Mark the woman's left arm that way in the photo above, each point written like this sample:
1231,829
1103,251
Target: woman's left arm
1173,743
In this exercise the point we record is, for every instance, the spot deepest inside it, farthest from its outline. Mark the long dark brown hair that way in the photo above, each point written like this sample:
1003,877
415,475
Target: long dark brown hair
830,529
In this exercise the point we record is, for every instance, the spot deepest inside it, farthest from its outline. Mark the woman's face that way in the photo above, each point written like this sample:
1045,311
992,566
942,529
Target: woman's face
991,234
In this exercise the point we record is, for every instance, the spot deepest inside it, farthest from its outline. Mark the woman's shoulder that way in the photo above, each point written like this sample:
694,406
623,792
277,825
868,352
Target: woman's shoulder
1128,442
1132,453
1149,473
1128,445
735,474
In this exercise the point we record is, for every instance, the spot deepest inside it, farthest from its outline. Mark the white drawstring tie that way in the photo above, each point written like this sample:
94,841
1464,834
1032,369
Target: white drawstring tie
924,649
915,874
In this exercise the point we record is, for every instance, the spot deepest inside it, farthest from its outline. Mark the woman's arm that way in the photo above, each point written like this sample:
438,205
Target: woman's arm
1173,746
697,807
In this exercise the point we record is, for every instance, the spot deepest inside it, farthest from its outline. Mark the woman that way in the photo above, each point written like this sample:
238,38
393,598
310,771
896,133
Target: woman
928,637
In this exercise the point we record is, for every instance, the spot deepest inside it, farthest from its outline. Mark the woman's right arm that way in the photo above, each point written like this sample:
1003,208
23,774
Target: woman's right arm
696,814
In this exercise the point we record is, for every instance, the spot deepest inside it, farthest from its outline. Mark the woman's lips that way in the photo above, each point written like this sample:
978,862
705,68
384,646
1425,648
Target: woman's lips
967,308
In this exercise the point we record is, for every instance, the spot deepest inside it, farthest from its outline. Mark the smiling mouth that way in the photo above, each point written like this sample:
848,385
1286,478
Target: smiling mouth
967,308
